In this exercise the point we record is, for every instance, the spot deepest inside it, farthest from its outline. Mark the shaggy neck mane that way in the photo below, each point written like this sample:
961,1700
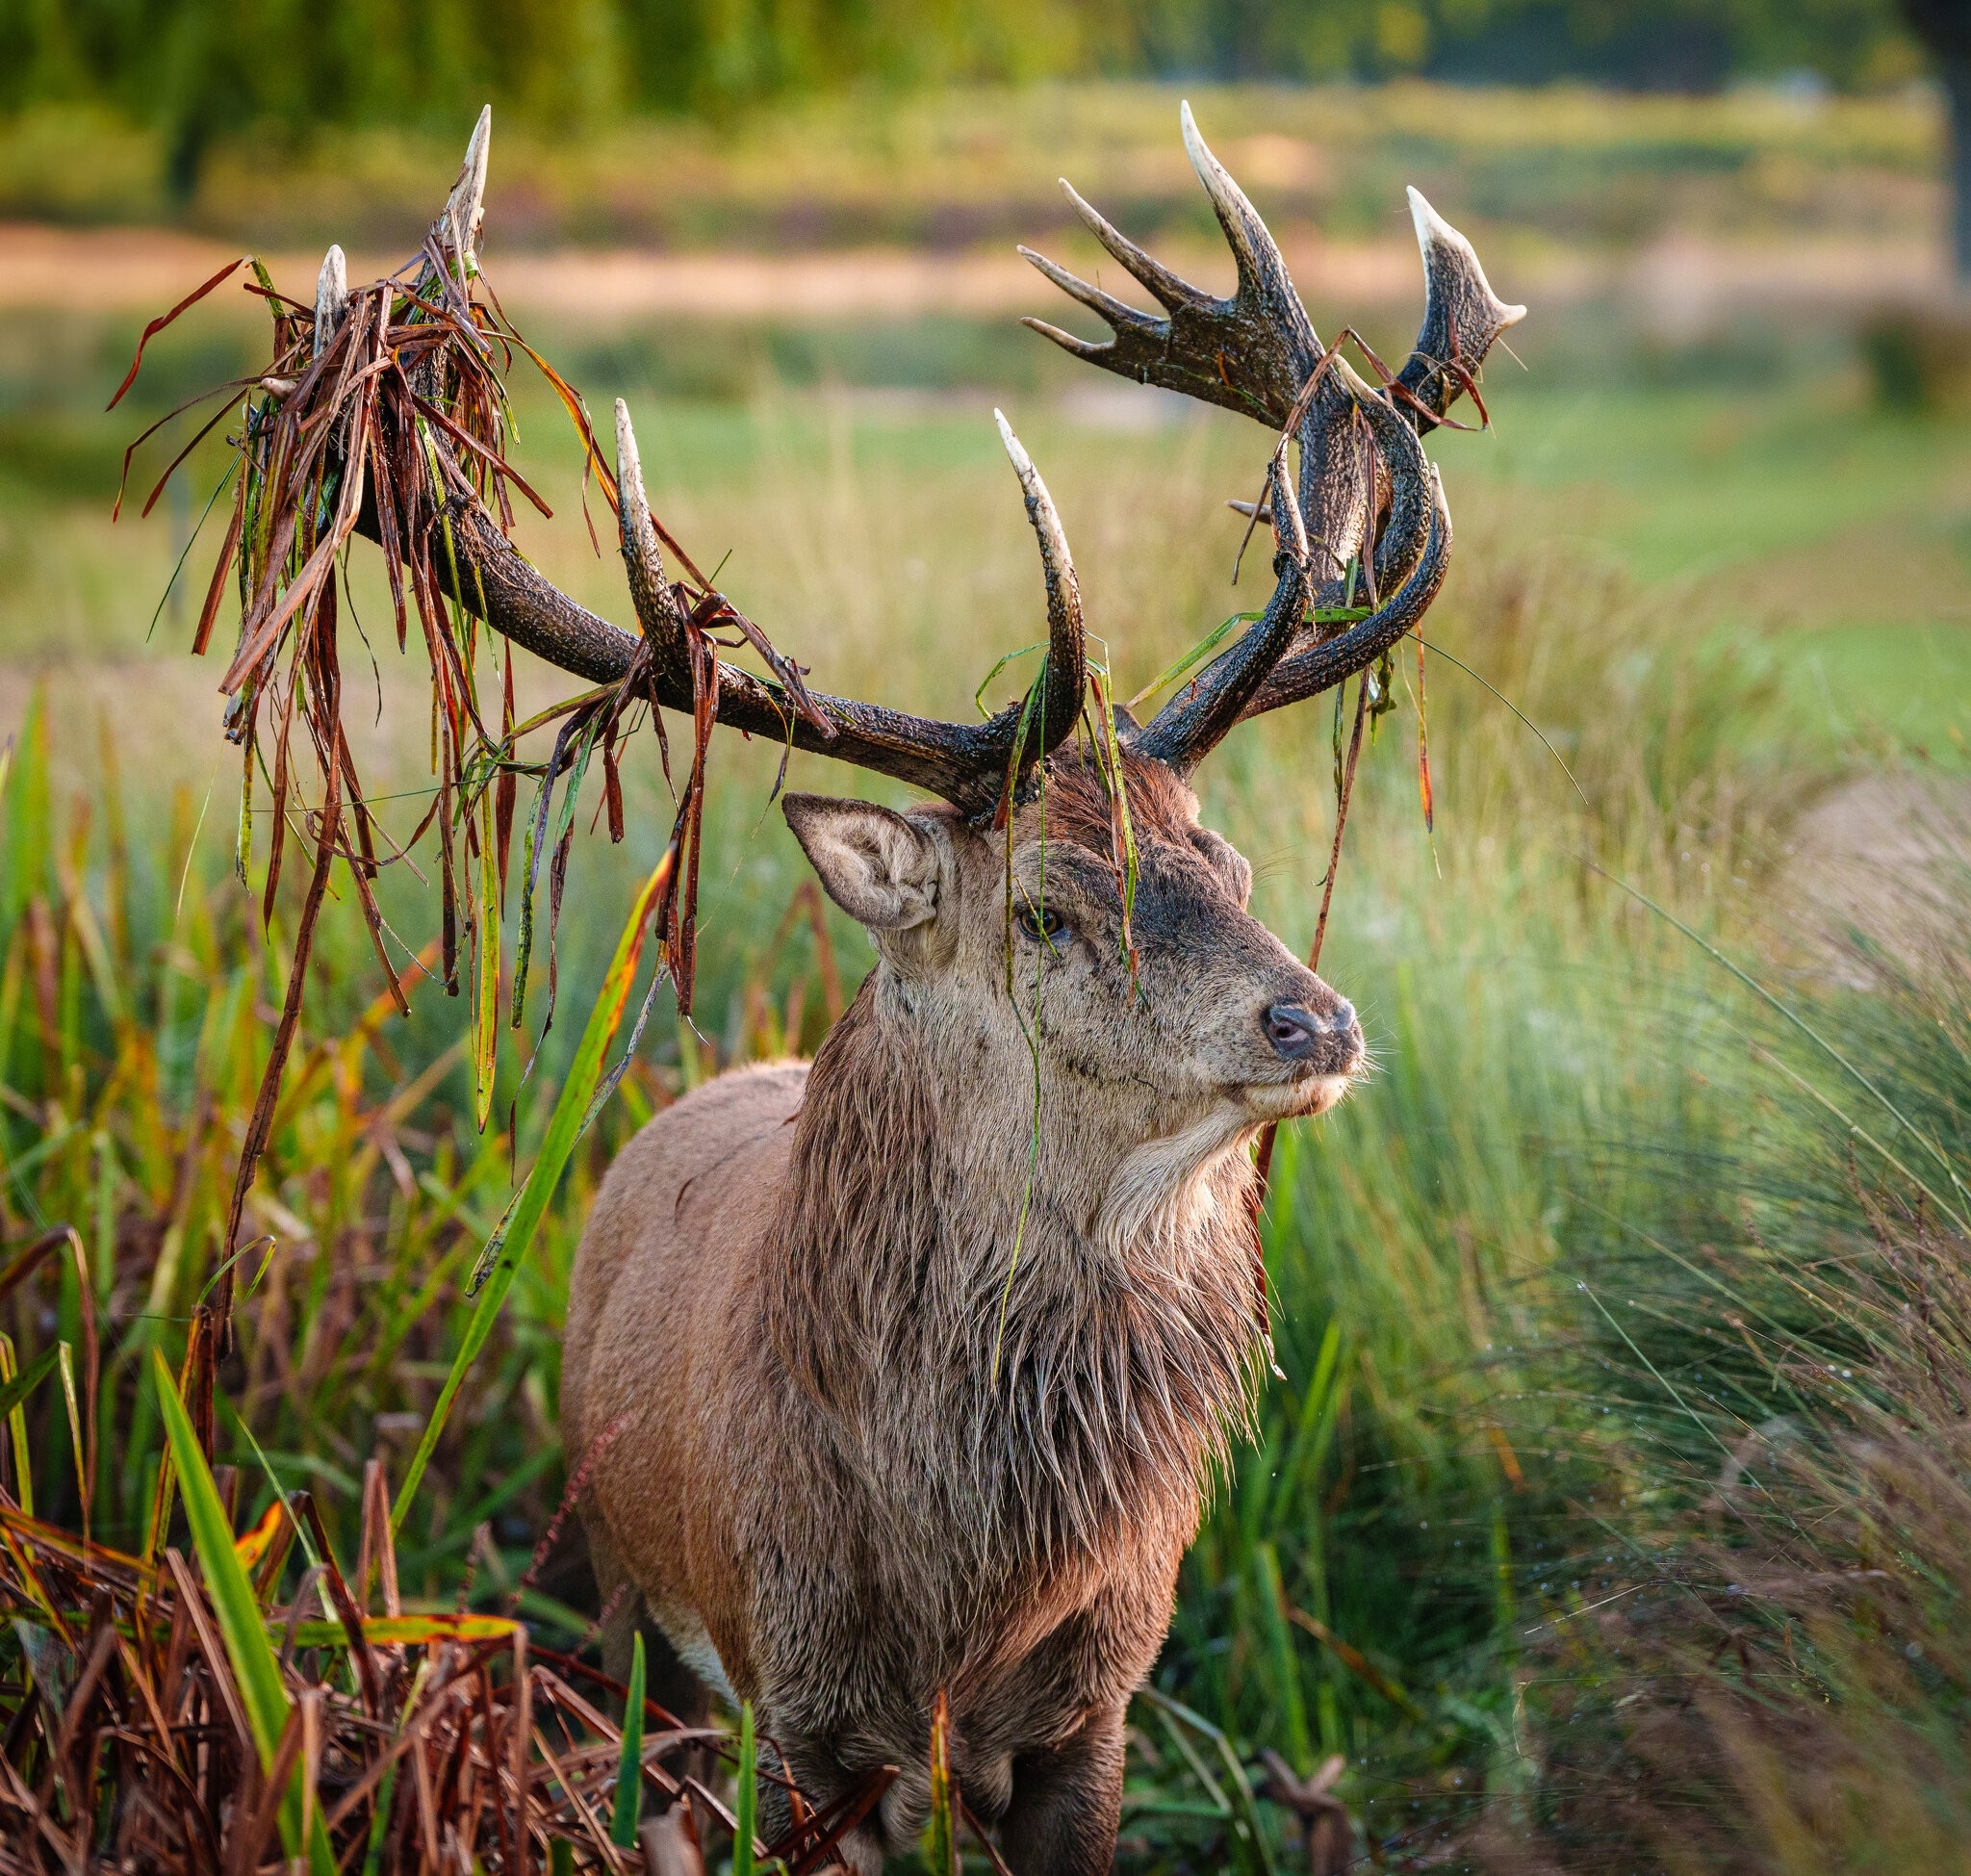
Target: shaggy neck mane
1097,1385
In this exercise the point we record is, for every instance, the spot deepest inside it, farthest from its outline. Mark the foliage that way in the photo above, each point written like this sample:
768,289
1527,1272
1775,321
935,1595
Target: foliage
207,70
1782,1665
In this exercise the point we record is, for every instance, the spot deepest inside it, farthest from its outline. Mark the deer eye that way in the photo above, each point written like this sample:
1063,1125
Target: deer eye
1042,923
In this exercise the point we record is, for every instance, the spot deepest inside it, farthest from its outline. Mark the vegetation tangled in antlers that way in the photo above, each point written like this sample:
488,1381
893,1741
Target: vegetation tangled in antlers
383,411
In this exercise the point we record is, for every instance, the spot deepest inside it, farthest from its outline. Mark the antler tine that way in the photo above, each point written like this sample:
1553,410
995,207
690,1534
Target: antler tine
465,208
1067,669
649,589
1261,270
1170,289
1117,312
1462,316
331,297
1186,730
1250,352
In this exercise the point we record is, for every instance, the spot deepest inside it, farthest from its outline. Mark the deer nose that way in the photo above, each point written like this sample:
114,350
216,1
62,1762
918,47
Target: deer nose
1333,1041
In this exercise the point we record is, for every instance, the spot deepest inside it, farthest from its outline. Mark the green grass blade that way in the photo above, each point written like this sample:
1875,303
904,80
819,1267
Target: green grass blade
21,1385
940,1835
1273,1609
629,1810
564,1129
1314,1430
280,1491
486,1007
241,1625
1203,649
1248,1833
379,1823
65,1360
979,695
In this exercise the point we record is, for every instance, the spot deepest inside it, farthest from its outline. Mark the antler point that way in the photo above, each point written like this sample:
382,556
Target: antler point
1022,463
629,464
331,295
1430,225
1196,147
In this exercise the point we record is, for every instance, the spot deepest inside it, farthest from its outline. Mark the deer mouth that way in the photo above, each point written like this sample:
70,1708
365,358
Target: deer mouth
1309,1094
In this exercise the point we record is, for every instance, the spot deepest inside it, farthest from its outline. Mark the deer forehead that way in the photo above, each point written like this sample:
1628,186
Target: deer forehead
1073,874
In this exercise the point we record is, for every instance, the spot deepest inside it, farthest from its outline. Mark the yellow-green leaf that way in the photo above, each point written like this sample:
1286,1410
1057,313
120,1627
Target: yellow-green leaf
241,1625
565,1127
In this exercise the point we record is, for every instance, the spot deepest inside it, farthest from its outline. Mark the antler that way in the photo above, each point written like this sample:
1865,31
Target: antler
1364,509
1367,508
970,765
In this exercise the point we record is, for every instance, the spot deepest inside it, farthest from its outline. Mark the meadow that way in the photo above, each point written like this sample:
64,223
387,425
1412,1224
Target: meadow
1607,1486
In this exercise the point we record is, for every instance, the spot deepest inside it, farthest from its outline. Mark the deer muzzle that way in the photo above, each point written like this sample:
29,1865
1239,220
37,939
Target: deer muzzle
1327,1045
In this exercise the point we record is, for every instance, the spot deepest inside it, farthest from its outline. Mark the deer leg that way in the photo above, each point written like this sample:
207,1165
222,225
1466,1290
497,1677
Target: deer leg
666,1679
1067,1802
821,1778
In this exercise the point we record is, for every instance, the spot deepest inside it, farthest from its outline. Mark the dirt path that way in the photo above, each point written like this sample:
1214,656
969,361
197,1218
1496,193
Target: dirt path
1680,284
1882,861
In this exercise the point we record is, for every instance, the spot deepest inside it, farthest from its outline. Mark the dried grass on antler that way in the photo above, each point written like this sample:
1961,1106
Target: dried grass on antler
382,410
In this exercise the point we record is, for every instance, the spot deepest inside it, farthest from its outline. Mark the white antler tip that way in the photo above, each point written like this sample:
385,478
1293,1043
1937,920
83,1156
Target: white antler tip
1429,223
467,204
1194,146
1433,231
332,283
629,464
331,295
481,140
1023,464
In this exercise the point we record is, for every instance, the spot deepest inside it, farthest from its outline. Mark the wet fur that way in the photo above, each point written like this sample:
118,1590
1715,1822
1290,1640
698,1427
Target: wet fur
858,1464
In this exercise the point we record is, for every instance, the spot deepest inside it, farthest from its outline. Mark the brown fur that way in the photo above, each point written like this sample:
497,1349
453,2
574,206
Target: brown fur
865,1456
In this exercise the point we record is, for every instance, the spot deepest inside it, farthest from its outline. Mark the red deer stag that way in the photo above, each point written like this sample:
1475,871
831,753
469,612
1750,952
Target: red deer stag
910,1403
919,1359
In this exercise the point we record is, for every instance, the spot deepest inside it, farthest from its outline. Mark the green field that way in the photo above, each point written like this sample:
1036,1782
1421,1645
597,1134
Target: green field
1719,584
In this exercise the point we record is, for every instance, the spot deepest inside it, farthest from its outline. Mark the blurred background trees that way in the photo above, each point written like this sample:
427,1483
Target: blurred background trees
1944,27
198,69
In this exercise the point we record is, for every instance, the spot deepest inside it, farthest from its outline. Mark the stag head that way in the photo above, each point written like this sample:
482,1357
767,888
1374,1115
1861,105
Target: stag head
1171,1013
1172,982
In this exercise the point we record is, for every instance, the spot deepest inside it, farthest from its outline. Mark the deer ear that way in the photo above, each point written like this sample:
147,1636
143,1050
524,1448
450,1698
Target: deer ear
881,868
